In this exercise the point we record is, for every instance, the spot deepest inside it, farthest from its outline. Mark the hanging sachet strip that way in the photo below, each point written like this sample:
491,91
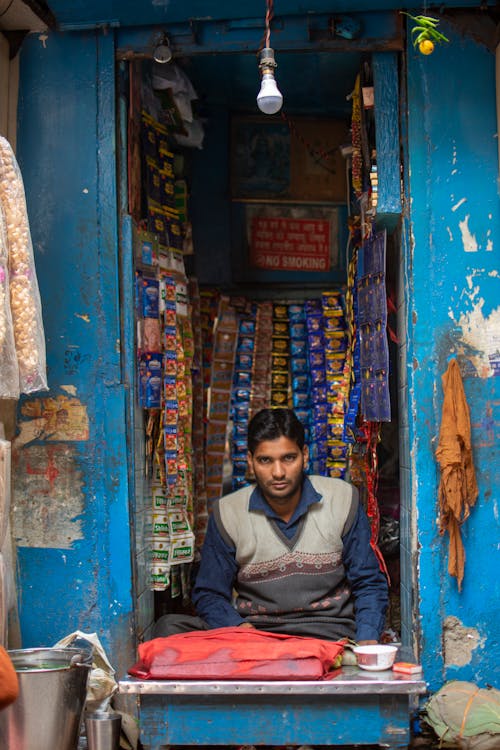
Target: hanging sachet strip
225,339
280,349
335,343
372,316
299,370
241,395
260,389
317,374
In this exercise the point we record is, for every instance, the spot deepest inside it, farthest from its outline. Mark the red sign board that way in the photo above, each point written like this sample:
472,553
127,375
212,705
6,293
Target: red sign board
285,244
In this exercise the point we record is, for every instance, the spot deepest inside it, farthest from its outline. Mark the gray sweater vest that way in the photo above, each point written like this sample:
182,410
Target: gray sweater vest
296,586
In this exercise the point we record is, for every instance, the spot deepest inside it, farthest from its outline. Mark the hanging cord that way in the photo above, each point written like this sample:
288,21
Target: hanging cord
266,39
6,10
317,154
269,16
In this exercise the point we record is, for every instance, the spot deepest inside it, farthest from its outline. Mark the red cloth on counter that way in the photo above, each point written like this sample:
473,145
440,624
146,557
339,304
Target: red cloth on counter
236,653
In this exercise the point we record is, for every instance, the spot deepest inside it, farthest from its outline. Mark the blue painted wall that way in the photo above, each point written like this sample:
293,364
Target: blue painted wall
79,574
67,154
454,292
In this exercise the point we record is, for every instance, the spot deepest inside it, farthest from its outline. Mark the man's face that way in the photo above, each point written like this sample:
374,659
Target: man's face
278,466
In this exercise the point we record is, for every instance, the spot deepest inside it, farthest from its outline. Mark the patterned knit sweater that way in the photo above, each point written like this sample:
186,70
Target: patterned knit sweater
297,586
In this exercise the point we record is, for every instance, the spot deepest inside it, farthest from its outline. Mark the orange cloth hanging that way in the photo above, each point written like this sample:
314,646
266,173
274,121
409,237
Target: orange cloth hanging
458,488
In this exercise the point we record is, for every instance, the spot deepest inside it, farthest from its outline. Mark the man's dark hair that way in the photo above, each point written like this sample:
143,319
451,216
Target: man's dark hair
271,424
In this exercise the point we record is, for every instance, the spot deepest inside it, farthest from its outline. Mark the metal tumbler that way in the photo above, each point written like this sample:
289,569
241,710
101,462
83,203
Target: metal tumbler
103,730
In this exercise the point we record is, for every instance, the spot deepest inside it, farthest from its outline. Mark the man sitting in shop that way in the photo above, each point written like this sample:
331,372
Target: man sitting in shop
289,554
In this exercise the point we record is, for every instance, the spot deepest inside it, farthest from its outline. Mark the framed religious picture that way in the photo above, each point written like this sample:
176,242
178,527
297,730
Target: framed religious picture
287,159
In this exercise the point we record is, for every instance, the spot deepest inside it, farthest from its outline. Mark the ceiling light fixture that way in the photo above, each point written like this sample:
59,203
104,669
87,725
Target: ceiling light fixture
269,98
162,53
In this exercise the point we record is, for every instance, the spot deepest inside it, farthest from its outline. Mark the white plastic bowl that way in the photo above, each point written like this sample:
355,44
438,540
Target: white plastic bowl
376,657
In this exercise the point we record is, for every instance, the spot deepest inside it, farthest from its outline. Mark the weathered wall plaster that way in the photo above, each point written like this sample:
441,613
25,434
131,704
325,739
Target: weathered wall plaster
53,419
480,333
48,498
459,642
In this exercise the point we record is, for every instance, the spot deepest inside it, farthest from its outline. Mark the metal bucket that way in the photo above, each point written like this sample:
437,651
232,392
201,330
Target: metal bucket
52,691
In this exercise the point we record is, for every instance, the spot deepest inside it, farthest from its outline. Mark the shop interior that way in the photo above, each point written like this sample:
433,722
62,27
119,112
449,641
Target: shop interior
261,277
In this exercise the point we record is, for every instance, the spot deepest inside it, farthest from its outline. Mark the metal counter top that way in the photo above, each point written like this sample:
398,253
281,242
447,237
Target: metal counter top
345,681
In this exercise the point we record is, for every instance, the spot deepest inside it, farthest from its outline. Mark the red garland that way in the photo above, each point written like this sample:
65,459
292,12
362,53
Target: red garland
371,432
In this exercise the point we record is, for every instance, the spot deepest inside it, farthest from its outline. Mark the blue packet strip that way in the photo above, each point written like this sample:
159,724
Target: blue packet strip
298,348
320,413
246,344
150,297
318,395
304,415
242,395
240,412
298,330
315,341
299,365
313,305
296,313
300,382
314,323
244,360
318,378
300,400
317,359
243,379
247,328
240,430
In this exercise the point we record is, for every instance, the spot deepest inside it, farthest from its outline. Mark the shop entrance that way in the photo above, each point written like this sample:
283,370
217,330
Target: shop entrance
263,277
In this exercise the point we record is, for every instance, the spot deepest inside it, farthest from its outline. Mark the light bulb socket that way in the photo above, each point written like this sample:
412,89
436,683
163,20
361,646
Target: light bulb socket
267,63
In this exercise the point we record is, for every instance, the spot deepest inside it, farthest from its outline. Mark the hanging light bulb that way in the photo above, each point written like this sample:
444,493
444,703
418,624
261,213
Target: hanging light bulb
269,98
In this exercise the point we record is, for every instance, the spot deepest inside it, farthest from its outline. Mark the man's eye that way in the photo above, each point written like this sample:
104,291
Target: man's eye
263,460
289,459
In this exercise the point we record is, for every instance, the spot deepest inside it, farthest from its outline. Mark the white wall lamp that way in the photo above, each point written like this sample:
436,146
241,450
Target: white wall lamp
162,53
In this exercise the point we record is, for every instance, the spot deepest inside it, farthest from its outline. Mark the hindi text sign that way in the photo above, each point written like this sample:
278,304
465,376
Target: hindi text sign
287,244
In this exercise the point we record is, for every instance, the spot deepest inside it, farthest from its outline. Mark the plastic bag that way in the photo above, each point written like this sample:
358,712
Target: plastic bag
195,135
25,305
102,684
9,370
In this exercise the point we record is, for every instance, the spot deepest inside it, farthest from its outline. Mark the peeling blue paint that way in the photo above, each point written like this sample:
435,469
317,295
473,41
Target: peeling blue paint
66,149
67,155
453,178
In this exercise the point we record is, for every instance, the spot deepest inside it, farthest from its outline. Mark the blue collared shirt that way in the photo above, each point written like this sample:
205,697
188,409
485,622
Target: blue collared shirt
213,590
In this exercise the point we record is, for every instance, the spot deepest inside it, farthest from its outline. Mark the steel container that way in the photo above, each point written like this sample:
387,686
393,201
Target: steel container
103,730
52,689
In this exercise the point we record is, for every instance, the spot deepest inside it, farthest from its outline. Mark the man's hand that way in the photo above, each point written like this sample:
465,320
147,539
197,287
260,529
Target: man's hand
247,625
367,643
